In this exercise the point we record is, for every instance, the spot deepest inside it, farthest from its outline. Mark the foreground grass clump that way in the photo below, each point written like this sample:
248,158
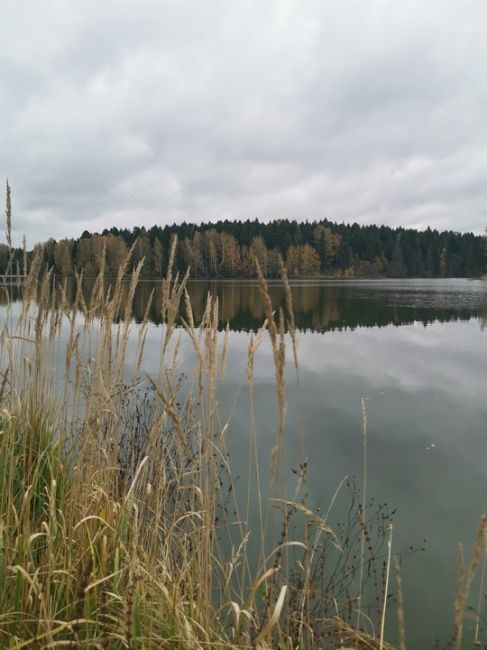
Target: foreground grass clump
98,548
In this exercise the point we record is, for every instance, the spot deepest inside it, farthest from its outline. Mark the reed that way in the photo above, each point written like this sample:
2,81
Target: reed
119,522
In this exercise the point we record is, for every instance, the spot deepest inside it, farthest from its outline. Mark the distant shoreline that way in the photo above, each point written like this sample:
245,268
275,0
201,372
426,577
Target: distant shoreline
292,279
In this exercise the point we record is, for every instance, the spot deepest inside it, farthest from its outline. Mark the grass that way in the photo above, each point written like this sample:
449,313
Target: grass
117,499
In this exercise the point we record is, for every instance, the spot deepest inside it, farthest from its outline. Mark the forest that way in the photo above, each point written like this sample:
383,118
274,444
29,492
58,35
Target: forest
228,249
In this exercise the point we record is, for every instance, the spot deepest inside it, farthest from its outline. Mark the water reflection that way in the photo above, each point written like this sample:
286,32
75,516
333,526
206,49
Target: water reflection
319,306
342,305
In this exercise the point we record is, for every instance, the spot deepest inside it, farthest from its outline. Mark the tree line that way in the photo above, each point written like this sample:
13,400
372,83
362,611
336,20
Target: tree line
228,248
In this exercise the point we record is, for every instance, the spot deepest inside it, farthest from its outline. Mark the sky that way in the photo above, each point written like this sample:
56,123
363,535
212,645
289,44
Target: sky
151,112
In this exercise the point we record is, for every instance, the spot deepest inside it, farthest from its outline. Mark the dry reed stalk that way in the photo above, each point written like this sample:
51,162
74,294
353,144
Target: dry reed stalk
223,361
172,296
480,596
290,310
24,257
276,335
127,317
98,291
70,352
191,331
400,607
363,407
114,303
292,333
167,281
8,215
465,579
386,588
253,459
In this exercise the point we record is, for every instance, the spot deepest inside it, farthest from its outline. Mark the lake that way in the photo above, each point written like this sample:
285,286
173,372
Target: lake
417,351
414,352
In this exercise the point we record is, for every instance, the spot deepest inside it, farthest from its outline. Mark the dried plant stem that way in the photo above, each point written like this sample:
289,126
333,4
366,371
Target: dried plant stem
400,607
386,588
465,579
364,504
480,597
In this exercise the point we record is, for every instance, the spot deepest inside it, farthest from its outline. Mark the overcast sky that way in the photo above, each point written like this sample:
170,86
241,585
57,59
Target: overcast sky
154,111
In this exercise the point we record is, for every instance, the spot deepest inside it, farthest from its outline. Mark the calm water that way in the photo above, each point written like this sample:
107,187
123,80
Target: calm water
417,351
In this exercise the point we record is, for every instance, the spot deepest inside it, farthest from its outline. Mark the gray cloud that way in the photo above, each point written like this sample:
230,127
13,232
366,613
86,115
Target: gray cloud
124,113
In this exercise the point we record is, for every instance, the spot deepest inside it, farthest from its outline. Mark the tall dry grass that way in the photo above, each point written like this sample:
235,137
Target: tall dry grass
116,488
117,499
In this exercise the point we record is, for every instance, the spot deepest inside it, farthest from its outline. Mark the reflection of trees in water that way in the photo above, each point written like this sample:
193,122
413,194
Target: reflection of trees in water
316,307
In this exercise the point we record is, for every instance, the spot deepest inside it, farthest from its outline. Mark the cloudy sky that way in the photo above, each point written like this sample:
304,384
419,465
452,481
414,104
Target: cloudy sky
155,111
